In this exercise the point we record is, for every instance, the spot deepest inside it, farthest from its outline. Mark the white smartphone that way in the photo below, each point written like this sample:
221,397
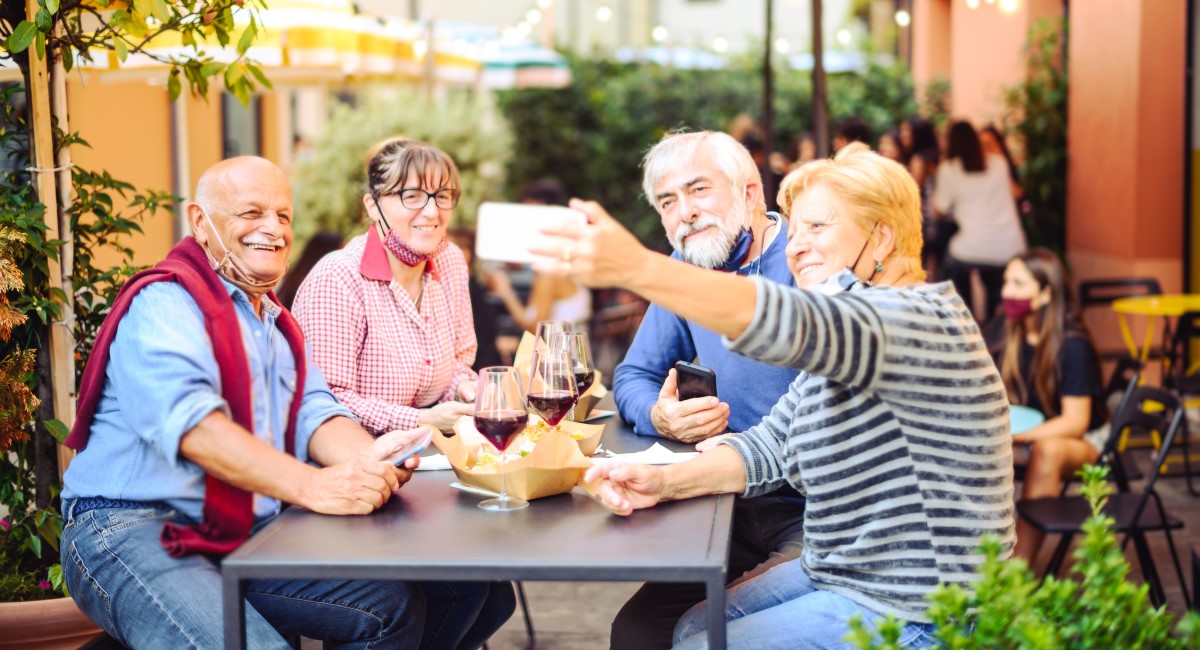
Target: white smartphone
413,447
504,232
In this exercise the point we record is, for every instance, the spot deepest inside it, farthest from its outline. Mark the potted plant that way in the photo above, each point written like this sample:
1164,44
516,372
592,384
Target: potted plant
1011,608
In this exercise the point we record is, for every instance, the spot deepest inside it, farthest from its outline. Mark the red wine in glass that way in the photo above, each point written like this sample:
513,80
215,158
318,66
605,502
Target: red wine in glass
584,379
552,405
500,427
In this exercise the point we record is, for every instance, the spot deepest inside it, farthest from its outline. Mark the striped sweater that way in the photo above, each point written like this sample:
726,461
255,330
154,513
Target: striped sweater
897,430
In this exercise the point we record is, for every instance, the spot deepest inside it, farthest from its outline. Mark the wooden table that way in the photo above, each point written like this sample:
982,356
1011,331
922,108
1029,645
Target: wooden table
430,531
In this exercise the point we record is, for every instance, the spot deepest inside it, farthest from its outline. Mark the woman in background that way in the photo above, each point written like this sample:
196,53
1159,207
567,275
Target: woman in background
975,190
321,244
1048,362
551,298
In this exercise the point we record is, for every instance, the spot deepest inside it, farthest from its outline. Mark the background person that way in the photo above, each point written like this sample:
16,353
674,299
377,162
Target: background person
1049,363
708,194
904,471
321,244
551,297
389,316
199,416
976,192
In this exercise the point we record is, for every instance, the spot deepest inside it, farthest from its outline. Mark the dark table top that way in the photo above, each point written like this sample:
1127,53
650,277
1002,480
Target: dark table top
431,531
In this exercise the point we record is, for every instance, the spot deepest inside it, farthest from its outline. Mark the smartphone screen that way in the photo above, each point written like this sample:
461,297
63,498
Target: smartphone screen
413,447
695,381
505,231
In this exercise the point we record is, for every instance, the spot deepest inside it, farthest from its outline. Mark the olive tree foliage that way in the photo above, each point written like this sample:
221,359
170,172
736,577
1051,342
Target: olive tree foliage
329,183
86,29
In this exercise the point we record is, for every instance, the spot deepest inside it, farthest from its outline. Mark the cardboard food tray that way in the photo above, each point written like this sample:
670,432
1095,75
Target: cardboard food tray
553,467
587,401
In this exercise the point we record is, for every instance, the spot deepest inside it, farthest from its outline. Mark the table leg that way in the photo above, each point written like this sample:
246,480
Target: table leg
233,596
716,612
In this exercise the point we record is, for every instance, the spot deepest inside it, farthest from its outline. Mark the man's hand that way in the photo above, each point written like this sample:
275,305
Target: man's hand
624,488
355,487
444,415
689,420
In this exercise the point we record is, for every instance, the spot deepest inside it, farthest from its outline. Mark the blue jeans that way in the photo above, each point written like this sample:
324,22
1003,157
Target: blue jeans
123,579
782,609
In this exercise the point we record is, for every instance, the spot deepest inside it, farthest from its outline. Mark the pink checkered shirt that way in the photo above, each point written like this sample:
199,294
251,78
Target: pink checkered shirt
384,359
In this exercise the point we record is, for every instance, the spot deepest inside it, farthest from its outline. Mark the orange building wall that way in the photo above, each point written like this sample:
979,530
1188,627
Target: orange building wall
931,41
1125,180
986,54
1126,117
129,128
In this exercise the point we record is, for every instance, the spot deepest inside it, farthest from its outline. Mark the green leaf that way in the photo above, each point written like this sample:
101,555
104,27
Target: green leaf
233,74
173,87
143,7
247,39
43,20
121,48
51,6
40,45
259,75
21,37
57,429
160,10
211,68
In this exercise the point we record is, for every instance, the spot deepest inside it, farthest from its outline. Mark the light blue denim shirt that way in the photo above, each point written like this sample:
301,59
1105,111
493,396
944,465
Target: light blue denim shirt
162,380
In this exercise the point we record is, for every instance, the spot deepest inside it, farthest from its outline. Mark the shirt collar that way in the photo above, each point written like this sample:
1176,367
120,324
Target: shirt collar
375,264
269,309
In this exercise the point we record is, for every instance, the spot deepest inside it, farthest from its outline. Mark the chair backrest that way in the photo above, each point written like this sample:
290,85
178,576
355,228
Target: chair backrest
1146,408
1106,290
1183,376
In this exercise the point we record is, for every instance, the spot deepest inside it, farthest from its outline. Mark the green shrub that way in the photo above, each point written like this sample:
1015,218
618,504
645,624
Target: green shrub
1010,608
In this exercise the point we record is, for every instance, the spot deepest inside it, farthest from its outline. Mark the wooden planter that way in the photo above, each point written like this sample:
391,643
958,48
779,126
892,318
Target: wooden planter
44,625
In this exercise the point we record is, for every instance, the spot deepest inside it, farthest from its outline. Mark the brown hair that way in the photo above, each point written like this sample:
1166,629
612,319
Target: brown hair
1059,319
392,161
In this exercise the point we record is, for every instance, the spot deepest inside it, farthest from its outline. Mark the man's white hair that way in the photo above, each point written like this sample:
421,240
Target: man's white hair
680,148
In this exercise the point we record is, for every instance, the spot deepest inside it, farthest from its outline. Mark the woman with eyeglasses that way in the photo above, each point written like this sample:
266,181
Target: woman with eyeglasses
389,321
389,316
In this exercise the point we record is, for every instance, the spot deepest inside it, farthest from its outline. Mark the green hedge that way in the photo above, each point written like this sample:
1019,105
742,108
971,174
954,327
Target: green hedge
592,135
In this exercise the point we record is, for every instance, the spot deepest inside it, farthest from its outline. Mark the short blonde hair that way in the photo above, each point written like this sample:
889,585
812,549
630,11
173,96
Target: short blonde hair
877,190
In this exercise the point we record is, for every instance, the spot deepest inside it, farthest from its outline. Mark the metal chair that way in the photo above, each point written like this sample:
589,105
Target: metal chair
1183,377
1146,408
1102,293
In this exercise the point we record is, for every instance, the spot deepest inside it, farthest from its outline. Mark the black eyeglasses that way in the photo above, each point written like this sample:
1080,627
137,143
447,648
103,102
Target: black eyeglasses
416,199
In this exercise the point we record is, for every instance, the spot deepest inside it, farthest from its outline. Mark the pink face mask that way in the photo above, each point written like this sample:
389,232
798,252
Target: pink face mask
1015,310
400,248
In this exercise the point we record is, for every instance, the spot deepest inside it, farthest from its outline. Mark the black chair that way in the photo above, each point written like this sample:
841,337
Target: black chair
1146,408
1183,377
1102,293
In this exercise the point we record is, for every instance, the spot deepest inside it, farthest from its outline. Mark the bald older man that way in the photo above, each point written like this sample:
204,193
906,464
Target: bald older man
199,416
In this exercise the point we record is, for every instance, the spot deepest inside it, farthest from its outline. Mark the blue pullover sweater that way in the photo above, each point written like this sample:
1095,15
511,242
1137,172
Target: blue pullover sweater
750,387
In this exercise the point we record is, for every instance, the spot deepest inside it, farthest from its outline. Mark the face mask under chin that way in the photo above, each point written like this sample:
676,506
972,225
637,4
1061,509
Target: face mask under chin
235,270
839,282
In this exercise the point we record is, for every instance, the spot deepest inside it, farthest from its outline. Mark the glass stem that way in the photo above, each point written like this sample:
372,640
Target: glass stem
503,475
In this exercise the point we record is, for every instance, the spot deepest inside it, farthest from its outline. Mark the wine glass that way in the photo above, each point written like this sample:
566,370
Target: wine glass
576,345
547,330
552,392
500,415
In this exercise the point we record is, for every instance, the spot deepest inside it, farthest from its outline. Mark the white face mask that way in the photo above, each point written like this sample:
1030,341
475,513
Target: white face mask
235,270
839,282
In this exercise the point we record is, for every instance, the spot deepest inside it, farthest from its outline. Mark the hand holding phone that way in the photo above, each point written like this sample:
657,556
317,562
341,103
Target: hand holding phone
695,381
504,232
413,447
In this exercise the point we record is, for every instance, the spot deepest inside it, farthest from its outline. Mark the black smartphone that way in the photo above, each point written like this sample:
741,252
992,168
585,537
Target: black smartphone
695,381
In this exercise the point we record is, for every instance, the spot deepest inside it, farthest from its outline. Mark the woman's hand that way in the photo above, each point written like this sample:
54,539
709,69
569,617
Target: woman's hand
444,415
600,253
624,488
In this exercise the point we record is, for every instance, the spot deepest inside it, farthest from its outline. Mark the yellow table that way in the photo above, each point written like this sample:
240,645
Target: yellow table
1163,306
